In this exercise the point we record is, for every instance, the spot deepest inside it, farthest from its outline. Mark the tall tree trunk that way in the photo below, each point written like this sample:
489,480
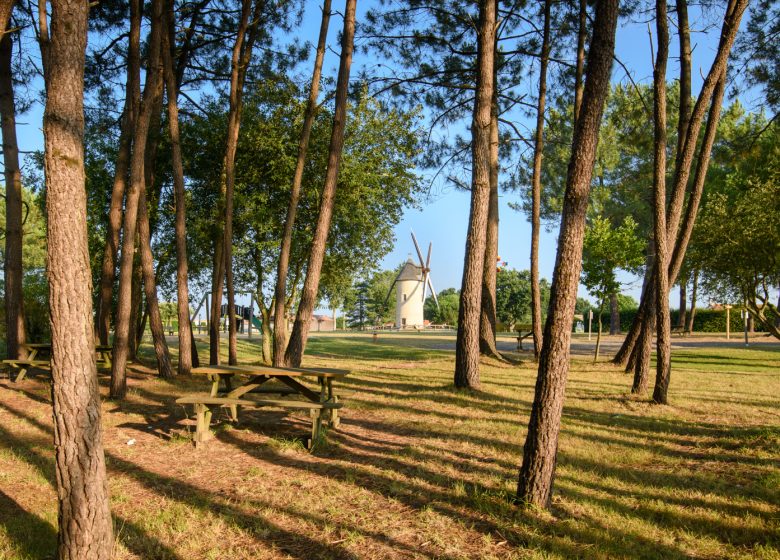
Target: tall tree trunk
708,96
662,248
14,296
694,289
182,290
85,527
121,167
300,333
598,335
643,351
536,181
223,263
683,302
487,318
136,309
118,387
280,292
150,291
614,314
582,36
712,94
467,347
217,277
541,445
234,123
684,34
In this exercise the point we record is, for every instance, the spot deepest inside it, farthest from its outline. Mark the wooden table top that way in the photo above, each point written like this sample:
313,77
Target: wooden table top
270,371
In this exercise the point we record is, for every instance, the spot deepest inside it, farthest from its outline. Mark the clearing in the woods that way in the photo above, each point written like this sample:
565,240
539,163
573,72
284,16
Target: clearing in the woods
419,469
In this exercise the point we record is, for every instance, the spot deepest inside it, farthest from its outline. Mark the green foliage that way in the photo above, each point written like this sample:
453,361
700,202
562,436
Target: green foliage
376,182
704,320
605,250
447,312
35,288
627,303
737,237
624,158
365,303
513,296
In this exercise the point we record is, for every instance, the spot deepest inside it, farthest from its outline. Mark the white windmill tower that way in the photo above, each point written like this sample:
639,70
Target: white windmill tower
411,286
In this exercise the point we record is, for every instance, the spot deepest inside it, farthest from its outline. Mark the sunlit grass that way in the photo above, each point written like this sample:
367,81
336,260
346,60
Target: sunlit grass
419,469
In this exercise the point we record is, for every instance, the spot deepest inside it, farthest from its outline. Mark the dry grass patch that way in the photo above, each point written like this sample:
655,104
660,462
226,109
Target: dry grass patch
419,469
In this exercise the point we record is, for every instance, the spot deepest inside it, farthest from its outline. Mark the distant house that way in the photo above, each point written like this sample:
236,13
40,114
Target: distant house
322,323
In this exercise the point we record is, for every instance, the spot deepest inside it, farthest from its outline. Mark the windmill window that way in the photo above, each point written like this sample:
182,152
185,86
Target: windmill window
404,297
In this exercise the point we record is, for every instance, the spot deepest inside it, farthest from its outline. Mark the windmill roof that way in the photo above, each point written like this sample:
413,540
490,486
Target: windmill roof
410,271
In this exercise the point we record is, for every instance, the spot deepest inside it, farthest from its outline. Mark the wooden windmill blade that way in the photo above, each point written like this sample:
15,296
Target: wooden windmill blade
433,292
419,253
425,285
392,285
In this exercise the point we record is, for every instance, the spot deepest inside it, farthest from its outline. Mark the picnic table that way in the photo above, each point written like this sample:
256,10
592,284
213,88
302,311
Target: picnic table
523,331
323,403
104,353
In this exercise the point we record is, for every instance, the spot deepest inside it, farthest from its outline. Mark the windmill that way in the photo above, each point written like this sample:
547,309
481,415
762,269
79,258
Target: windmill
412,284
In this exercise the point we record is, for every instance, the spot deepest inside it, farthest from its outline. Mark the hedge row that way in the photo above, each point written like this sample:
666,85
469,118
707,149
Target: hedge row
705,320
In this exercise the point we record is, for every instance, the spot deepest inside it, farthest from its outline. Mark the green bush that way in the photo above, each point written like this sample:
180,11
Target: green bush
705,320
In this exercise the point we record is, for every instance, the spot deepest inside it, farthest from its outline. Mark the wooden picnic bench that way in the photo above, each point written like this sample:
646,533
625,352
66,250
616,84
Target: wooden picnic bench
104,353
322,404
679,330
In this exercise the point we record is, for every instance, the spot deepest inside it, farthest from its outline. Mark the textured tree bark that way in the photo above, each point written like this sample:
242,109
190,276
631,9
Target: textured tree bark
487,317
467,346
280,292
217,277
14,296
694,289
137,323
118,386
242,54
121,167
708,96
662,249
614,314
150,291
582,36
684,35
6,8
536,181
223,242
640,357
85,527
182,290
541,445
300,333
702,165
712,95
598,334
683,301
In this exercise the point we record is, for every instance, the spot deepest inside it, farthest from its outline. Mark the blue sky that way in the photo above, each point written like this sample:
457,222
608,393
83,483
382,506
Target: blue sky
443,218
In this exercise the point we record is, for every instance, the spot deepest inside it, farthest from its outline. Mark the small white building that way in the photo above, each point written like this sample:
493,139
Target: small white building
409,297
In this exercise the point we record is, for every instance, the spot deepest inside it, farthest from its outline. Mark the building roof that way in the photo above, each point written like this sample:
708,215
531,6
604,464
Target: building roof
410,271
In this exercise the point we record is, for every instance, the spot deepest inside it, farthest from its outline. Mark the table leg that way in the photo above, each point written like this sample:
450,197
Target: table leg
228,387
335,421
23,371
316,426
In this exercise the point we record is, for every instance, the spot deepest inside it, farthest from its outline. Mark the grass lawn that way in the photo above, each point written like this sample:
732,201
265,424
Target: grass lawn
421,470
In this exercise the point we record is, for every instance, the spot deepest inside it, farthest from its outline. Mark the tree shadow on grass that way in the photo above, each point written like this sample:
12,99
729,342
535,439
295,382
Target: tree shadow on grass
37,537
34,537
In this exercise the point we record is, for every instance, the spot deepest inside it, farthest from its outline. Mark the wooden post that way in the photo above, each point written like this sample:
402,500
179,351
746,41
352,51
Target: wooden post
728,321
251,314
